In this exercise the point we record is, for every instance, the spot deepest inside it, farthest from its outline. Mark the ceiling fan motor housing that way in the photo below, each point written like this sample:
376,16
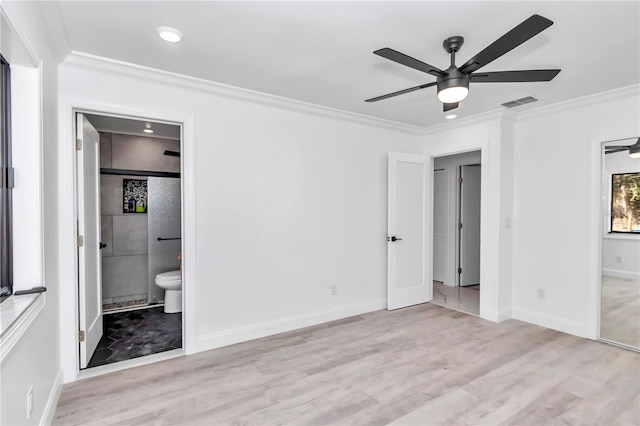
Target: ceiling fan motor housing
453,77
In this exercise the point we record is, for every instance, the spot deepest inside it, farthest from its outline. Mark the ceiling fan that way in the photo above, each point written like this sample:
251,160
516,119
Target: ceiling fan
453,83
634,150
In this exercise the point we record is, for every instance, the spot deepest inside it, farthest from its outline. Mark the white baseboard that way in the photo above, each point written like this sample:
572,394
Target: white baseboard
52,402
618,273
496,316
551,321
269,328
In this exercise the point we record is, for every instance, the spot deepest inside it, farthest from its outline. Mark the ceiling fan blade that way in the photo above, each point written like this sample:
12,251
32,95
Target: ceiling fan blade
408,61
449,107
514,38
514,76
401,92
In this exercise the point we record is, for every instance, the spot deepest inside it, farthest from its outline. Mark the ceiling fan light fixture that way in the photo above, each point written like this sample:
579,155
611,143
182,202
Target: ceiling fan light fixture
453,86
453,94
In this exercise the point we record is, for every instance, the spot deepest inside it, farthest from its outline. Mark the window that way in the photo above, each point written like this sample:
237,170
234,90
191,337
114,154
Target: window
6,260
625,202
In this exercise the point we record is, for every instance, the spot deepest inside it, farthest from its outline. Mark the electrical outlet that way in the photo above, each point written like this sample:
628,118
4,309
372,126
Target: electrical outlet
29,402
541,293
619,259
334,289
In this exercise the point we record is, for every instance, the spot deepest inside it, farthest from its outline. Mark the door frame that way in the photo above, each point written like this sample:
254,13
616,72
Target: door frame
486,311
67,218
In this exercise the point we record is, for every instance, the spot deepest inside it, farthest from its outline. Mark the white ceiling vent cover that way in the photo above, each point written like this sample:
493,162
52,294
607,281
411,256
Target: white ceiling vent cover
518,102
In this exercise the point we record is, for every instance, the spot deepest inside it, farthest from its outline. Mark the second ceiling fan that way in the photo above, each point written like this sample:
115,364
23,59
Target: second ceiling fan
453,83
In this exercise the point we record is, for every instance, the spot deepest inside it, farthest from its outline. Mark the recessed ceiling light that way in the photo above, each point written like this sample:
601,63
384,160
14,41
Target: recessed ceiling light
169,34
147,128
451,116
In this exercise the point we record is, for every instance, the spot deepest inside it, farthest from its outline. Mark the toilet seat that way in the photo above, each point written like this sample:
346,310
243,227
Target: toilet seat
169,276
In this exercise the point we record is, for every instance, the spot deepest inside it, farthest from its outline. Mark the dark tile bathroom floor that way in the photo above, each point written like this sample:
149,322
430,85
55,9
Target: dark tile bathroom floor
137,333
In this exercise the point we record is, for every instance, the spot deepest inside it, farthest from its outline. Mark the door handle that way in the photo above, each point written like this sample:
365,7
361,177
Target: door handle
394,238
102,245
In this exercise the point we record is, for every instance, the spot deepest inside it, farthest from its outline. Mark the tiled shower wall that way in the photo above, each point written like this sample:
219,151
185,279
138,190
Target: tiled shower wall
125,265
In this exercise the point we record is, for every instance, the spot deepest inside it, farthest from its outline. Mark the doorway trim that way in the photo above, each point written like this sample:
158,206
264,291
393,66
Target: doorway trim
488,287
67,217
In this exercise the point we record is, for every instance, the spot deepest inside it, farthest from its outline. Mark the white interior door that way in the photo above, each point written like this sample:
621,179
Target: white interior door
439,210
89,260
469,271
408,241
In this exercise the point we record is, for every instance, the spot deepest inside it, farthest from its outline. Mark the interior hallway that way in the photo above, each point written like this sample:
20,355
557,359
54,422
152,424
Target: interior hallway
419,365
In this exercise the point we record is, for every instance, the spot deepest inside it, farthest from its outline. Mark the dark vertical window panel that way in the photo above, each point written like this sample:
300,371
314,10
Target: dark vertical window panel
6,258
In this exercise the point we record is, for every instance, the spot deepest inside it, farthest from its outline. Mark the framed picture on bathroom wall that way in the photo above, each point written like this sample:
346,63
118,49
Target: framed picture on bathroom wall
134,196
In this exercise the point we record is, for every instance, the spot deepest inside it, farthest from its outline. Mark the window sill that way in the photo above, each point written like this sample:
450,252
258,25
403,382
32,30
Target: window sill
16,315
621,236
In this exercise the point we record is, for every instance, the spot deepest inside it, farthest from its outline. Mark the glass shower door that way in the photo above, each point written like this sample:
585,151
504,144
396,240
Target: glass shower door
165,230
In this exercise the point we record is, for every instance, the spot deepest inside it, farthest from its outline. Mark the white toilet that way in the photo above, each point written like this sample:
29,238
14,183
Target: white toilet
171,282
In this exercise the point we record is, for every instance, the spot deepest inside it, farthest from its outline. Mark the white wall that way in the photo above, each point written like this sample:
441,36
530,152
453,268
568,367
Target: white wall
34,360
290,199
557,207
450,164
620,252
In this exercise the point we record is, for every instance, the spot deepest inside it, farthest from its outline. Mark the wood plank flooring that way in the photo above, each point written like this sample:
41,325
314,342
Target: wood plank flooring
422,365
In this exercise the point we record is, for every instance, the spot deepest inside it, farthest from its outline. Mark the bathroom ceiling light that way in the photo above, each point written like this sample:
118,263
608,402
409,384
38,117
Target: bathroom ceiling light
450,116
169,34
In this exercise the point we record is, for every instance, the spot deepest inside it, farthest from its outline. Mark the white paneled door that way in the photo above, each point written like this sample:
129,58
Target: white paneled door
408,241
470,230
89,260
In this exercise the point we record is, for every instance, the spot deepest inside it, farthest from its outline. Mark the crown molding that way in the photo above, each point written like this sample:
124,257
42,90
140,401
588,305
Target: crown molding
133,71
584,101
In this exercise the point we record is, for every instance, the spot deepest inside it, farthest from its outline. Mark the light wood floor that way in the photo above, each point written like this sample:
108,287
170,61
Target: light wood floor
620,312
420,365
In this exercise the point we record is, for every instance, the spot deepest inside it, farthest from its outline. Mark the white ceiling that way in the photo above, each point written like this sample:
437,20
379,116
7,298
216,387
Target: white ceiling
321,52
127,126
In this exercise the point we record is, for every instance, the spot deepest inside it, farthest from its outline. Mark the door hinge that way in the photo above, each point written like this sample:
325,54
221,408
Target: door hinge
459,270
79,144
10,178
460,225
80,240
81,335
460,180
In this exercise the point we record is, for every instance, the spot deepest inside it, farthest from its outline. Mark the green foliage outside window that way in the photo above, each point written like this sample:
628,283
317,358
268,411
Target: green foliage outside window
625,202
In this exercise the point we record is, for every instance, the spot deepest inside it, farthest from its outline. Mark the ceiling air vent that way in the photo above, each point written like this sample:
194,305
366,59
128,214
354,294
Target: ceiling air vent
518,102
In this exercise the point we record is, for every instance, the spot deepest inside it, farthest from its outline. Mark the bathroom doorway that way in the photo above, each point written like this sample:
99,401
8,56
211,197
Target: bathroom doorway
130,238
